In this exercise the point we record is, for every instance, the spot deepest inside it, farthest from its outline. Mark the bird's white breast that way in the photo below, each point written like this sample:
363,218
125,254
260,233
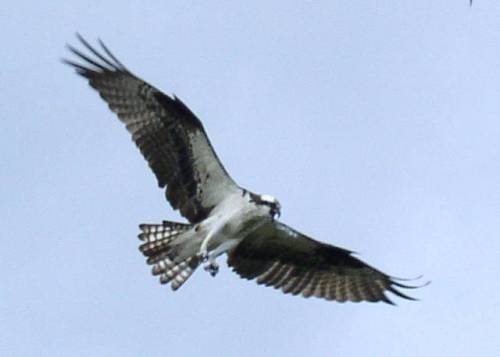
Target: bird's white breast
234,219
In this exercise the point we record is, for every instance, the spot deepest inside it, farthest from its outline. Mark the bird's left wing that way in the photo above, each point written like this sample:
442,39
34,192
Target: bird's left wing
277,255
170,137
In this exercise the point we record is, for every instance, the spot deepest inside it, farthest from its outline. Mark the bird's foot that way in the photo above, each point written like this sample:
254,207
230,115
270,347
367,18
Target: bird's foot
203,256
212,268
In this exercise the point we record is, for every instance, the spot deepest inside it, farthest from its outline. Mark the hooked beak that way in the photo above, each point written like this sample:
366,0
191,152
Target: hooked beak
276,213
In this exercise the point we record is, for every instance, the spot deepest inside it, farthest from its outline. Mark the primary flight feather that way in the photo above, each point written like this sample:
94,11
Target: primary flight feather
223,217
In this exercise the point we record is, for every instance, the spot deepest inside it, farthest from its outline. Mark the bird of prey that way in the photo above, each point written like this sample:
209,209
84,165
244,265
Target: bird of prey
223,218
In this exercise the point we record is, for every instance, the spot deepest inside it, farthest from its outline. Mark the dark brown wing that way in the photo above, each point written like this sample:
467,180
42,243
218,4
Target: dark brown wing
171,138
278,256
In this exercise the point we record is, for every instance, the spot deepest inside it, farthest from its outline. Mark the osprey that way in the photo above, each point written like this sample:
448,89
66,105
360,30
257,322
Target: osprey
224,218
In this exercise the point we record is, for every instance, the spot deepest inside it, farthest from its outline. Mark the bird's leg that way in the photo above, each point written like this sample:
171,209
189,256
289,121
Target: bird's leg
212,267
212,232
221,247
203,252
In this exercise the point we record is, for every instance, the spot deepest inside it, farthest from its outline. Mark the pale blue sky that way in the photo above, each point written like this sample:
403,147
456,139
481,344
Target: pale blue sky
376,124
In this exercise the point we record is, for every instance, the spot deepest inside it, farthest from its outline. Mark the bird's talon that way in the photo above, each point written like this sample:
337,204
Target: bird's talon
212,268
203,257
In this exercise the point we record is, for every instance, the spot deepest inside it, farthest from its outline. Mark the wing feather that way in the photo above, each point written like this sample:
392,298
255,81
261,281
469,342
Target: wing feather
170,137
311,286
281,257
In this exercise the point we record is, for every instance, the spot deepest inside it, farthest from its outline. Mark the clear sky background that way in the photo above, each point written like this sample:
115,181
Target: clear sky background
376,124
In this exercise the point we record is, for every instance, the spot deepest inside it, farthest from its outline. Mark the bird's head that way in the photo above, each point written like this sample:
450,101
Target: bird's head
268,201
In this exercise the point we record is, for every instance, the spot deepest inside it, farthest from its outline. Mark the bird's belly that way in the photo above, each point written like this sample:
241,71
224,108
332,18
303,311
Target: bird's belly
237,227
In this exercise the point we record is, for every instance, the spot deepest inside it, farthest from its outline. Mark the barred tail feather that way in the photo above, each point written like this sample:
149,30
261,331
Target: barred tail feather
157,247
157,237
175,273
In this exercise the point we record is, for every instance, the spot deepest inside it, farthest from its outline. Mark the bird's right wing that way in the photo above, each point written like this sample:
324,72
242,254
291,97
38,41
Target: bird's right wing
277,255
170,137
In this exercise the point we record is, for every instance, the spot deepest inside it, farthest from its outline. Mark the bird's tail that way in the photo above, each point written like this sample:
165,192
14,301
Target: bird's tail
160,249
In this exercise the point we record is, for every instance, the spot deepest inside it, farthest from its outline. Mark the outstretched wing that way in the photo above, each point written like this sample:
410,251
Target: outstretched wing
171,138
278,256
